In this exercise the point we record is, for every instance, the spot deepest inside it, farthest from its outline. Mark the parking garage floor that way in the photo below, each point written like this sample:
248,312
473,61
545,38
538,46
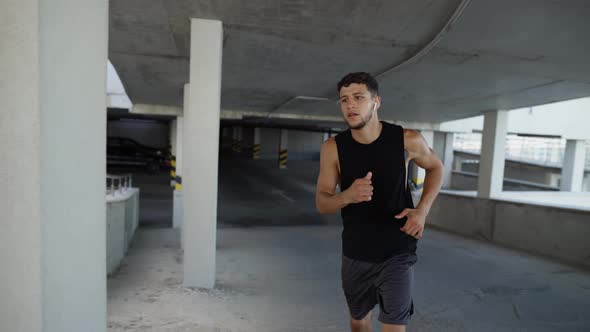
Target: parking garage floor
278,270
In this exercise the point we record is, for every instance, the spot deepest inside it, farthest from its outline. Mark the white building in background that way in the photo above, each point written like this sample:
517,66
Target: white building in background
553,135
535,134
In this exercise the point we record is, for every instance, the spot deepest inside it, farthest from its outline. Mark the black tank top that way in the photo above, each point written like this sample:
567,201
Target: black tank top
371,231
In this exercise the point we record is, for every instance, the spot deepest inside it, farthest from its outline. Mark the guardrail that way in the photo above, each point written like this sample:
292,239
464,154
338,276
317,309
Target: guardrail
118,184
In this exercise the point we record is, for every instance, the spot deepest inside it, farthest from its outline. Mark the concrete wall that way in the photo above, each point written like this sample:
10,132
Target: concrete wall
147,132
121,224
560,233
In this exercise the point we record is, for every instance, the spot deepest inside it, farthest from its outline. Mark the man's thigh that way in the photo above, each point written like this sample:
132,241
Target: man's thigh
358,285
394,291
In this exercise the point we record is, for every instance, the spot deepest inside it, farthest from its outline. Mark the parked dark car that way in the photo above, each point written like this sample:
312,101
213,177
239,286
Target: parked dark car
126,153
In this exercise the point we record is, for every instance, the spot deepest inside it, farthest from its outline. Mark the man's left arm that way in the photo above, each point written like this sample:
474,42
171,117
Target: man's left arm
419,151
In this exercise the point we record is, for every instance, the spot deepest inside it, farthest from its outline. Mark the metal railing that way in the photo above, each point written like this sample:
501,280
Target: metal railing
119,184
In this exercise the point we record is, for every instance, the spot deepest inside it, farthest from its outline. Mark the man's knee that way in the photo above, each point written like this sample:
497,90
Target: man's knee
361,324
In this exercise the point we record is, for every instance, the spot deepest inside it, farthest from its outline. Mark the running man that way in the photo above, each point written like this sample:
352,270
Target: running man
381,226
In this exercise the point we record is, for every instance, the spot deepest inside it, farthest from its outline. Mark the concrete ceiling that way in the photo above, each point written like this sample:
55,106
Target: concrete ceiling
500,54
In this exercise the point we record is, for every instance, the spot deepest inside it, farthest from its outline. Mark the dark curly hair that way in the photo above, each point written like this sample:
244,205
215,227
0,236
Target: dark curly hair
360,78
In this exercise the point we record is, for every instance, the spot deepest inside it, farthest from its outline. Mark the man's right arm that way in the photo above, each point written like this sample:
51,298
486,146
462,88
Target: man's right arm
327,200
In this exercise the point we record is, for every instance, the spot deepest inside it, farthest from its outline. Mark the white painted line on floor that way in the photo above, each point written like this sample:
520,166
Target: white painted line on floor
282,194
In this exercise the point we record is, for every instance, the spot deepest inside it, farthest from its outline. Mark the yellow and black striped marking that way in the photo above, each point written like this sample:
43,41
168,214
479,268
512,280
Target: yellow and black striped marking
256,151
172,171
237,145
418,184
178,181
283,158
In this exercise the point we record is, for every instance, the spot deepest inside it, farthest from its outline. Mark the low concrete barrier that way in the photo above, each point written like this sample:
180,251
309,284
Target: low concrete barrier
121,223
558,232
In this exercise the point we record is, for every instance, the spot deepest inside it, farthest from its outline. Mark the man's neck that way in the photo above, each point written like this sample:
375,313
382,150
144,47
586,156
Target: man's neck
369,133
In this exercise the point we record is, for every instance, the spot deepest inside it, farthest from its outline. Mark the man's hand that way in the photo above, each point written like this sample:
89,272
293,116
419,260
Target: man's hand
360,190
415,224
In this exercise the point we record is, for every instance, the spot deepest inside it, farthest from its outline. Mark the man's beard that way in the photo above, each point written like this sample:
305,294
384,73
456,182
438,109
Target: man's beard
363,122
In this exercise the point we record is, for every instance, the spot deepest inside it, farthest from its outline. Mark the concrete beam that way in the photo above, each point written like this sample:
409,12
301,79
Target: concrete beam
572,174
201,165
148,109
238,115
491,164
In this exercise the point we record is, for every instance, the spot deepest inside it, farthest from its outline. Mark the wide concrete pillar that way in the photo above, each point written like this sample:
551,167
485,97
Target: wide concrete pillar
283,145
201,138
53,64
256,147
572,172
418,173
492,159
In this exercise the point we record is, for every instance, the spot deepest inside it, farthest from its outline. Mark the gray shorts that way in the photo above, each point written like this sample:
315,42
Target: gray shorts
388,283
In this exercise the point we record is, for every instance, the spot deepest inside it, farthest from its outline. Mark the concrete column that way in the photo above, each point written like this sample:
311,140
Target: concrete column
256,146
237,139
240,139
491,163
172,152
447,158
572,172
200,165
283,148
418,173
53,64
177,208
234,138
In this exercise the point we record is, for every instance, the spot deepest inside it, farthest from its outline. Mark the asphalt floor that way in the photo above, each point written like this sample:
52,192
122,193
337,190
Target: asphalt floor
278,269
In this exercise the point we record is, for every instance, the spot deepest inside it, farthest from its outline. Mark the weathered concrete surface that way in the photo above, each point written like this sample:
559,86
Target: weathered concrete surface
278,270
277,50
287,279
121,222
554,231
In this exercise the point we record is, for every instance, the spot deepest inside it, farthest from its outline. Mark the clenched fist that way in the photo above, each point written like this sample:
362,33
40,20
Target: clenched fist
360,190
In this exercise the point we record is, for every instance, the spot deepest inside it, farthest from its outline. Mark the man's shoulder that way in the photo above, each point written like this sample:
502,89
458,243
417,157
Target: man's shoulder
329,144
411,134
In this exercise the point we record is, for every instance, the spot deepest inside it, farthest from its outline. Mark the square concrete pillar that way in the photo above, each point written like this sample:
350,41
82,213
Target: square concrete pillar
447,158
572,172
200,166
53,64
418,174
492,159
256,147
283,145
